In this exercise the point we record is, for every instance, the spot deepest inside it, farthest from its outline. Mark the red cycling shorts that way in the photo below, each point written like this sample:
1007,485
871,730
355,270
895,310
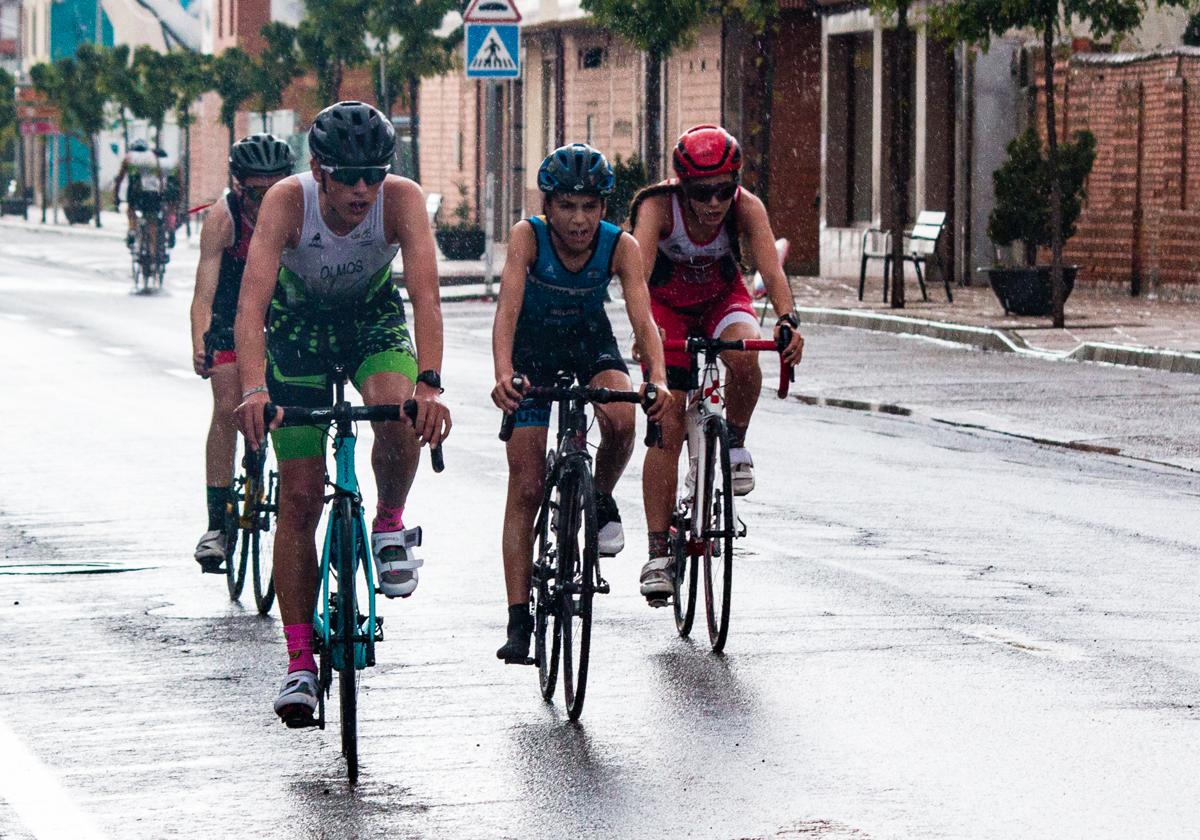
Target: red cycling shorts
709,319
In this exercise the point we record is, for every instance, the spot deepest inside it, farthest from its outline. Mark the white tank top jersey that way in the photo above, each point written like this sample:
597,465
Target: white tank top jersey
679,247
332,269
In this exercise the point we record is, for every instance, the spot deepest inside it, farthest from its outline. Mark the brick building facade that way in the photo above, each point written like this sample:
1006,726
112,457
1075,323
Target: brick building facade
1138,228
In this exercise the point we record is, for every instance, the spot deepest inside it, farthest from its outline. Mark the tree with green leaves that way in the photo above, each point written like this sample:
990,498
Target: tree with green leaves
233,78
152,77
275,68
658,28
411,50
72,85
8,104
332,38
119,85
193,76
978,21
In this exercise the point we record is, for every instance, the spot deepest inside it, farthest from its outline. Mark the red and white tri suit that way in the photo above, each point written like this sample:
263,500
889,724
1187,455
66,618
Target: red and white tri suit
696,288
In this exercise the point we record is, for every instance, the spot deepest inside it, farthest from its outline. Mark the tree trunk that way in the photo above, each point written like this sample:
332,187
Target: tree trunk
385,101
70,158
898,162
187,175
414,125
1058,292
765,43
94,154
653,151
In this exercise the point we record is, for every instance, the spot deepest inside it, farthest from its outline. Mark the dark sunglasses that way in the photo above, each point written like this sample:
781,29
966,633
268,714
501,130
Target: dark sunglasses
704,193
255,194
351,175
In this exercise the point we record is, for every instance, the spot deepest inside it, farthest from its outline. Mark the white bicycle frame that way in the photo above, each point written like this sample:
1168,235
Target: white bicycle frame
702,404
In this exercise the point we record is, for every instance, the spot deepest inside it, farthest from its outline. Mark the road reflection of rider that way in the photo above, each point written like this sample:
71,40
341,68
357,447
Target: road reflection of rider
153,189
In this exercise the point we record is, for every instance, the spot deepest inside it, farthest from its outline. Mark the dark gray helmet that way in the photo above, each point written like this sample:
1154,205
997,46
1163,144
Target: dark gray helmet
352,134
577,169
261,154
139,145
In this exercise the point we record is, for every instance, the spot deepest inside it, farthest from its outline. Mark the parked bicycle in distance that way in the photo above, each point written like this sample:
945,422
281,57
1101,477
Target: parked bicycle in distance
566,563
705,522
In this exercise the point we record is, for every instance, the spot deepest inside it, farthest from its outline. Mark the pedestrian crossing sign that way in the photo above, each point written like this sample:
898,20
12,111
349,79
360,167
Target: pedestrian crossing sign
493,50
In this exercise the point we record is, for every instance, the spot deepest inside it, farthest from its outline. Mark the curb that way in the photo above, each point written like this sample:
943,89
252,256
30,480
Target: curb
64,230
1040,438
1001,341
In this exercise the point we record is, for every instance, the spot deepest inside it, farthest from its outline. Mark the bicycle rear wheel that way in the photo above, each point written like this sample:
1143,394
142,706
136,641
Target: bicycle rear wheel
235,564
577,580
718,533
262,546
546,651
684,575
345,630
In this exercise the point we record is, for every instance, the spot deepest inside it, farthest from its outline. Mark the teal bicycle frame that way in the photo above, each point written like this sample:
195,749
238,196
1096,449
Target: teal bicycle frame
345,484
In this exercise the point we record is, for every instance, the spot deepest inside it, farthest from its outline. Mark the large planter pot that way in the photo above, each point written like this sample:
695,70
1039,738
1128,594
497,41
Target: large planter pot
1026,290
461,243
78,214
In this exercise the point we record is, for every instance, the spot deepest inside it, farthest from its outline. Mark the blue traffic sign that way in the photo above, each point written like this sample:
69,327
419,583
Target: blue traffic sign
493,50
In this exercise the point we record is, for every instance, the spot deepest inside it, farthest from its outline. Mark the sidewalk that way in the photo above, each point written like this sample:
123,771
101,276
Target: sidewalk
1101,326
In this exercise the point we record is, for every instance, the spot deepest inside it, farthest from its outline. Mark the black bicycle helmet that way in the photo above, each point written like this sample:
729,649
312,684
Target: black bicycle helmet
261,154
352,134
577,169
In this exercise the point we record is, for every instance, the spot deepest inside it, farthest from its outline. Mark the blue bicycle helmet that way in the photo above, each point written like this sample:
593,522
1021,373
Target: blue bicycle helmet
577,169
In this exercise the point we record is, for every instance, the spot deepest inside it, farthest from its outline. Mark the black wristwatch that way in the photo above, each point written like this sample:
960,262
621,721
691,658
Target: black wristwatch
790,320
431,378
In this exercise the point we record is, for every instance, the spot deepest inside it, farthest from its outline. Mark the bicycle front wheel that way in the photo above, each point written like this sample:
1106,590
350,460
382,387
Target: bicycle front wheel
547,644
345,629
235,564
718,533
577,580
684,575
261,545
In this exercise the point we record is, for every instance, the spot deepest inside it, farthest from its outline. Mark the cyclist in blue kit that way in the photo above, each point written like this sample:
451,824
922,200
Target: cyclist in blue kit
550,318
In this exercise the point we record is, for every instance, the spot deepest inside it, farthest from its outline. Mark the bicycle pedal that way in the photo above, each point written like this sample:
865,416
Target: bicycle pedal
212,567
603,588
300,719
657,601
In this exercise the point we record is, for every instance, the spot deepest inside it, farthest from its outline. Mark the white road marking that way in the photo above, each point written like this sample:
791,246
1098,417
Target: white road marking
181,373
13,316
1008,637
63,331
118,351
43,805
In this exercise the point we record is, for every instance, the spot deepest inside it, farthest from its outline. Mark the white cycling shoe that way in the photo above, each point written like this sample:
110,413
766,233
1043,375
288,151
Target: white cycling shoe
395,564
298,697
657,585
210,551
742,466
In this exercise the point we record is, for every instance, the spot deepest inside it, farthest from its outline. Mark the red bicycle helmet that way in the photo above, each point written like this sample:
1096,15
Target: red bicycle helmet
706,150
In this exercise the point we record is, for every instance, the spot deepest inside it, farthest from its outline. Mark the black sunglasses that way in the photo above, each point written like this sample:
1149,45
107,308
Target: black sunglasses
255,194
351,175
704,193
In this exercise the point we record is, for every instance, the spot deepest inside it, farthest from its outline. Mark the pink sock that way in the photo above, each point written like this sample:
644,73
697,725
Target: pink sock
388,519
299,644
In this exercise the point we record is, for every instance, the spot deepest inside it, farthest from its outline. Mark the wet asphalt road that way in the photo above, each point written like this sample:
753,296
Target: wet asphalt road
937,631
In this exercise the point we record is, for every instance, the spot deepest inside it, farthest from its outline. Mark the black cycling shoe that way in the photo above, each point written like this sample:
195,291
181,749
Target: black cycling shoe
515,651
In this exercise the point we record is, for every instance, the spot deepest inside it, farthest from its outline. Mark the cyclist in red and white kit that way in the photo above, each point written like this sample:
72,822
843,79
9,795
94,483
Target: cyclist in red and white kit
690,231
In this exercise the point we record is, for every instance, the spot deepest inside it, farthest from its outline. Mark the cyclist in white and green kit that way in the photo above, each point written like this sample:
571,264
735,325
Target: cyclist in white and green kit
321,261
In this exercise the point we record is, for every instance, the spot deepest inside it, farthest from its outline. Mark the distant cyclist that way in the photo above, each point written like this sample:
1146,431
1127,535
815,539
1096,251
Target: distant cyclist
256,163
690,231
550,318
321,262
149,173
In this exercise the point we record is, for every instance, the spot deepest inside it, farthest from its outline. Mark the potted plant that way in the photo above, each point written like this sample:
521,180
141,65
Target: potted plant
462,239
77,202
1022,215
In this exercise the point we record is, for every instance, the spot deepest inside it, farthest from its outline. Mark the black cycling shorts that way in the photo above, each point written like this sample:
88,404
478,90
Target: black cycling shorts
581,350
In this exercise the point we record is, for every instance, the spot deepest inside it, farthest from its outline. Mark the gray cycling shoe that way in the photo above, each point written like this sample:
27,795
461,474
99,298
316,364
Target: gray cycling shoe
297,698
657,584
210,551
